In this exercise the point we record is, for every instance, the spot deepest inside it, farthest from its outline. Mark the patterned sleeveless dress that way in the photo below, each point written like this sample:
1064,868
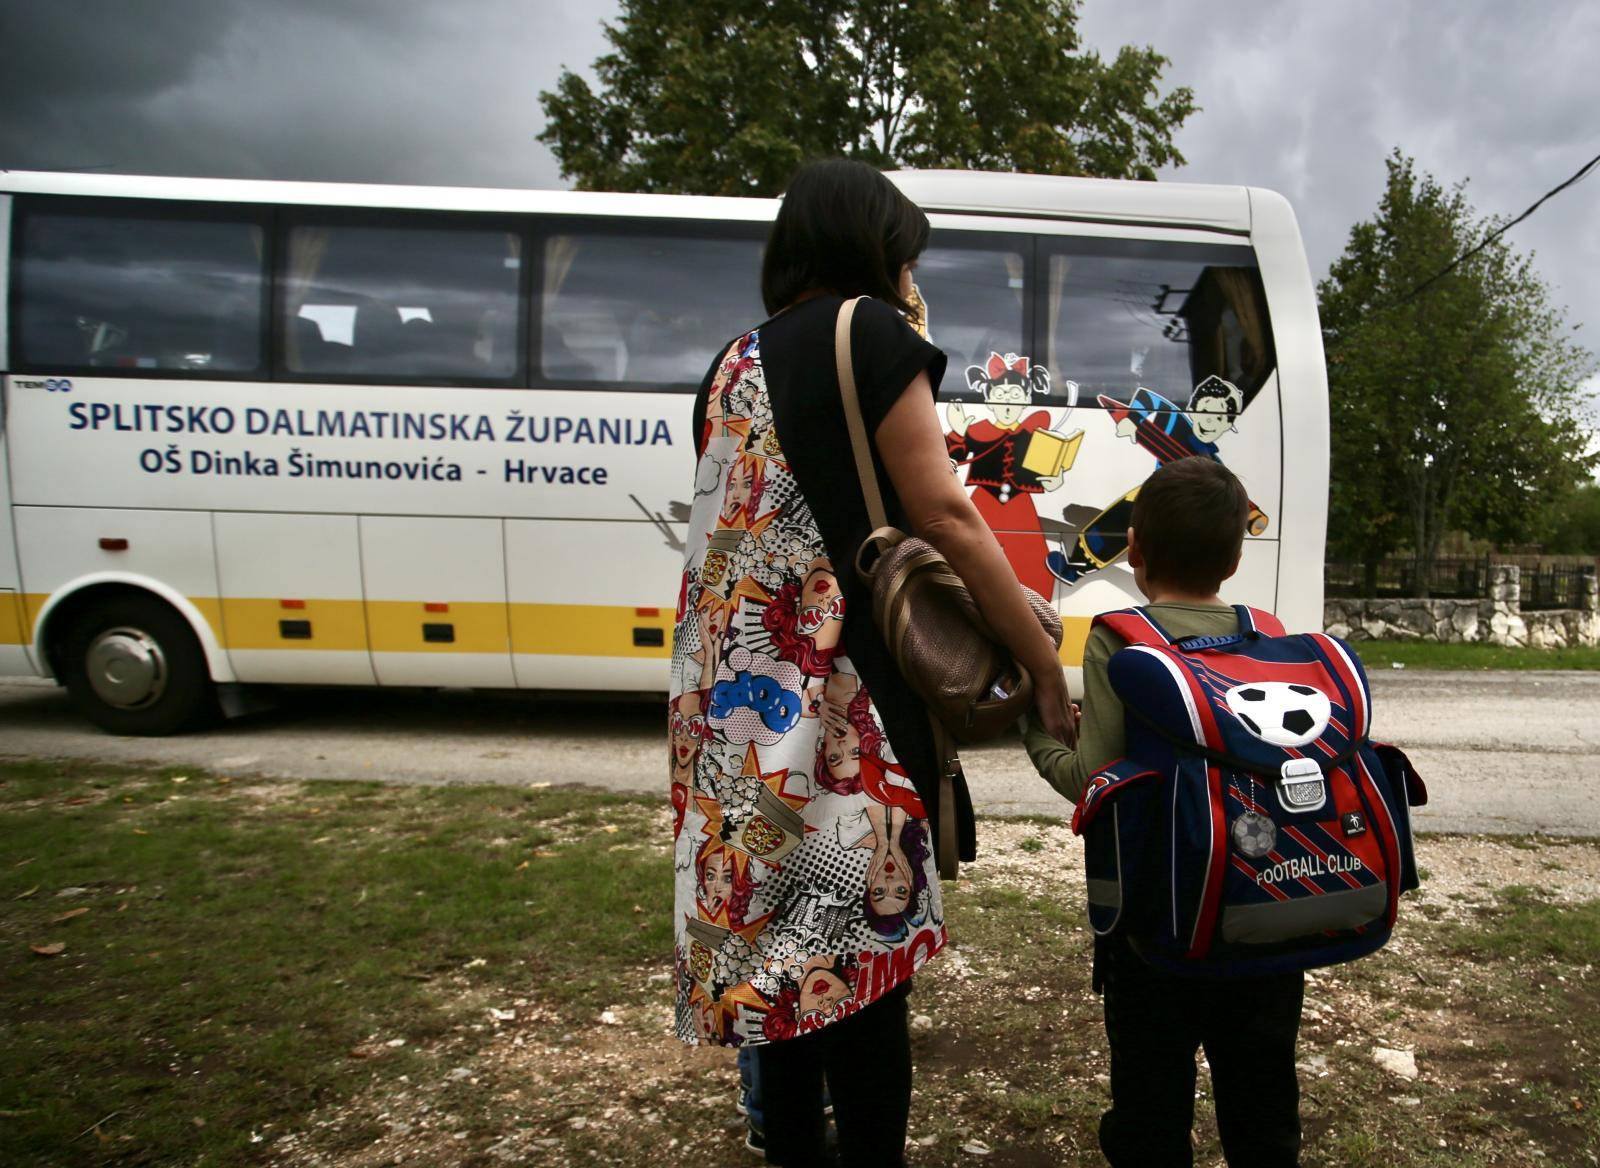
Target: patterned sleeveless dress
805,879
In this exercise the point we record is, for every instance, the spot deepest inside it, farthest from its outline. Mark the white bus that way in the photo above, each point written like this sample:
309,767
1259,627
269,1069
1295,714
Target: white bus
259,433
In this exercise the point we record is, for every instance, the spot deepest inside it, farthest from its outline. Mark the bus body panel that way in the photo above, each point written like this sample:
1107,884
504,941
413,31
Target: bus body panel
371,532
1303,395
300,569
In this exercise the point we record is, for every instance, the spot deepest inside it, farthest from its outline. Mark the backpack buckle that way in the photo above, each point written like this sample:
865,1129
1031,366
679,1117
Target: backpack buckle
1301,785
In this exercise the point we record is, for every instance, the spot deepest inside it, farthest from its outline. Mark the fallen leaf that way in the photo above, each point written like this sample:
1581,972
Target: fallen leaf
123,907
26,893
180,778
67,916
79,801
24,863
543,855
610,829
52,949
520,866
140,831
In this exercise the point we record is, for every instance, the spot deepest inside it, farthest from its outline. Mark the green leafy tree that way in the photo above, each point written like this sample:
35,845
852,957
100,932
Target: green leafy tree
1455,403
728,97
1574,525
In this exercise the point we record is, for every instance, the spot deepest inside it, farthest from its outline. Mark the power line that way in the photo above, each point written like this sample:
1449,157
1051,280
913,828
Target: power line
1583,172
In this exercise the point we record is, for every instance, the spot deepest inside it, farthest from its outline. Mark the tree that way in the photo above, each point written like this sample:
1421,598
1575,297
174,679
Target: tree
1575,525
1455,403
728,97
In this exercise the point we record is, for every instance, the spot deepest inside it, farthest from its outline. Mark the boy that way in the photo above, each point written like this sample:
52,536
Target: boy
1188,528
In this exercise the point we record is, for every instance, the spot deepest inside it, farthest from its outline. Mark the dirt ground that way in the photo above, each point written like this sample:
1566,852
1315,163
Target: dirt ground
1011,1065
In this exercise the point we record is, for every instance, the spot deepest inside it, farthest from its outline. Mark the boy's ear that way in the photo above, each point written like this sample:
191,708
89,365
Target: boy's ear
1136,553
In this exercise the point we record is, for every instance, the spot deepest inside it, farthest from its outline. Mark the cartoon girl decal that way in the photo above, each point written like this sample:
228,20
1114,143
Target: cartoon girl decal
995,454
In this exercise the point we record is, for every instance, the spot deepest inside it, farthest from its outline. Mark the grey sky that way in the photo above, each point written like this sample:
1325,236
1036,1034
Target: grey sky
1304,98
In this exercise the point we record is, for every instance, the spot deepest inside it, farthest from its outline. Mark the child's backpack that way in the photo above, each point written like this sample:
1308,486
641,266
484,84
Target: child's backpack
1253,827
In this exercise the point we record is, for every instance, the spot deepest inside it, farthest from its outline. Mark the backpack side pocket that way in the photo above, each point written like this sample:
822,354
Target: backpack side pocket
1115,819
1406,790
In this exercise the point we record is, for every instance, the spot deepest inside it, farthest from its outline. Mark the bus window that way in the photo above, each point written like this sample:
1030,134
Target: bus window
401,302
643,311
1124,314
977,300
138,292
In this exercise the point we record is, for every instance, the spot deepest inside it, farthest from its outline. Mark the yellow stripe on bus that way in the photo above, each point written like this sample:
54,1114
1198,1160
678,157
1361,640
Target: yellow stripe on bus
396,626
256,624
11,621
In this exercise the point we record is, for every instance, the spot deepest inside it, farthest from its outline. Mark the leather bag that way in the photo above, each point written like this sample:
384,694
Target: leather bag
973,687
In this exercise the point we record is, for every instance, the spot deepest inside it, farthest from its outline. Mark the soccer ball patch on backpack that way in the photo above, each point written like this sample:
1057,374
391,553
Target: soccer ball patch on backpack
1253,826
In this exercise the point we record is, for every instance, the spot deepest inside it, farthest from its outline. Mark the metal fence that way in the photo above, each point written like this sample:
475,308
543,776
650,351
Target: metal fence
1554,585
1449,577
1544,585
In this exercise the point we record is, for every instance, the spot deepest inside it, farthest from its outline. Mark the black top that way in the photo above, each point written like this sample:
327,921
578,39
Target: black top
797,359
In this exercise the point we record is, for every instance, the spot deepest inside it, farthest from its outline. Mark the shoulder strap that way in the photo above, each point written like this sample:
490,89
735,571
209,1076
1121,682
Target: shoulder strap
1258,621
1135,626
845,363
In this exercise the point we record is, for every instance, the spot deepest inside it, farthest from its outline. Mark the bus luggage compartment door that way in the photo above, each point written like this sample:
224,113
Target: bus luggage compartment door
436,601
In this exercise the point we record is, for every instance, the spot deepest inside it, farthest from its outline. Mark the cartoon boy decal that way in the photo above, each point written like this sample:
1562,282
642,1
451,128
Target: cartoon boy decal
1167,433
1007,462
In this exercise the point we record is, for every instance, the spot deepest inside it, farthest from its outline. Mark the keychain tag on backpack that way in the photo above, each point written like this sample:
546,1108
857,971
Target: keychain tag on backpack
1301,785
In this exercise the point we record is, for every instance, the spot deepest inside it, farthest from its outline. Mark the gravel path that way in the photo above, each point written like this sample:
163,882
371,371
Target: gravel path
1502,752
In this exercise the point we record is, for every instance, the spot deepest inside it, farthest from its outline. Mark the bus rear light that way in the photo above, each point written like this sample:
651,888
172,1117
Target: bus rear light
113,545
647,612
434,606
291,604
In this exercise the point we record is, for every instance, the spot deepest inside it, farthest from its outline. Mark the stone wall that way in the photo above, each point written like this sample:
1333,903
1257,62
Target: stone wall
1497,619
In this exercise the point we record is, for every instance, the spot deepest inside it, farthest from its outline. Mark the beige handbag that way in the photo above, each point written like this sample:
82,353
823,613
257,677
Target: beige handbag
974,689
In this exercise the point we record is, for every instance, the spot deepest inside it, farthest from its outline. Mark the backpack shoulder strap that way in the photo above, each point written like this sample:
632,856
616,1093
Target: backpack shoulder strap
1135,626
1258,621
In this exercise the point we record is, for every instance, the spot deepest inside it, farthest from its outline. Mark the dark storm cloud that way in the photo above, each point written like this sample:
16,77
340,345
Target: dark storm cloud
352,90
1308,99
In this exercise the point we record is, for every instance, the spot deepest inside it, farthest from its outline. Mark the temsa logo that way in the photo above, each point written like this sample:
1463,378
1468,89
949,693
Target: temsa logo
49,384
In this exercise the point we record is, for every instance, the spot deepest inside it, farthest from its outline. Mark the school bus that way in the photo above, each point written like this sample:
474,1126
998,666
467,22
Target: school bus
264,433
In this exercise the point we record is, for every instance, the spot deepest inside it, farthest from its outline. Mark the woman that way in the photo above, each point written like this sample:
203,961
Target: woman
814,763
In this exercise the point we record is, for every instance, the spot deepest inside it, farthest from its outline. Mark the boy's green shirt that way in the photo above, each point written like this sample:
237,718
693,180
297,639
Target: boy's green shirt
1100,733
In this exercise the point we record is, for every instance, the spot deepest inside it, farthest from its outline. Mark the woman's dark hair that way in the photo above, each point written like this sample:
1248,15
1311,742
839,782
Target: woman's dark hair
842,227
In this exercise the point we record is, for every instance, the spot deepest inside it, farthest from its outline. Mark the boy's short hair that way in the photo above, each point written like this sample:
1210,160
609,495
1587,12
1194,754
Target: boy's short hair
1191,516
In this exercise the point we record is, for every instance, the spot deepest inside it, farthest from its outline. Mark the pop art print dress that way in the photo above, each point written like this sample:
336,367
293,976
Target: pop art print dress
805,884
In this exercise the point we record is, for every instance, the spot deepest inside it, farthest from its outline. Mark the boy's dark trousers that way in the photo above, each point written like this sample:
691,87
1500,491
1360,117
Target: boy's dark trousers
1155,1021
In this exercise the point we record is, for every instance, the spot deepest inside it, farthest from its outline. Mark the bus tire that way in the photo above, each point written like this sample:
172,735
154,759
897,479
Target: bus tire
134,666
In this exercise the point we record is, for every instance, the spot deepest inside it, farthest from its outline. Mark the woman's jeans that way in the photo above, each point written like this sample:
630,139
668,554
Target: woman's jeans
865,1062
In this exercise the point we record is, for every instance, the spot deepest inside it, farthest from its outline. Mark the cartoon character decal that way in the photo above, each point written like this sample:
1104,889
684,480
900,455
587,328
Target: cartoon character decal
1167,433
1013,457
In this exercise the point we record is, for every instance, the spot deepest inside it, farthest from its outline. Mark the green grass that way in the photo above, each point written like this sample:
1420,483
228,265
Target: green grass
237,948
1524,927
1432,655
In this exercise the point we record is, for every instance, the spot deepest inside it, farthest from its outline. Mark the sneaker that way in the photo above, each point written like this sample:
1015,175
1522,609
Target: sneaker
755,1141
741,1104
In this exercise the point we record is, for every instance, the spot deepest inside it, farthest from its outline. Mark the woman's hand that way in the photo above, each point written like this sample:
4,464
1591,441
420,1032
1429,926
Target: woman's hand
1056,713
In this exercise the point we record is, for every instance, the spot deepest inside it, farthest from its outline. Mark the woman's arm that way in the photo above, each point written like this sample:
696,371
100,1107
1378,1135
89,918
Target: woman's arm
912,446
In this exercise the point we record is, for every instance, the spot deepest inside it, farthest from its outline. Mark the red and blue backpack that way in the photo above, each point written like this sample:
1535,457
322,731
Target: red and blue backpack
1253,827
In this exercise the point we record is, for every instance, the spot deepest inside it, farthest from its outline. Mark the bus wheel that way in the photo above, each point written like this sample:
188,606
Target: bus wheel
134,666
